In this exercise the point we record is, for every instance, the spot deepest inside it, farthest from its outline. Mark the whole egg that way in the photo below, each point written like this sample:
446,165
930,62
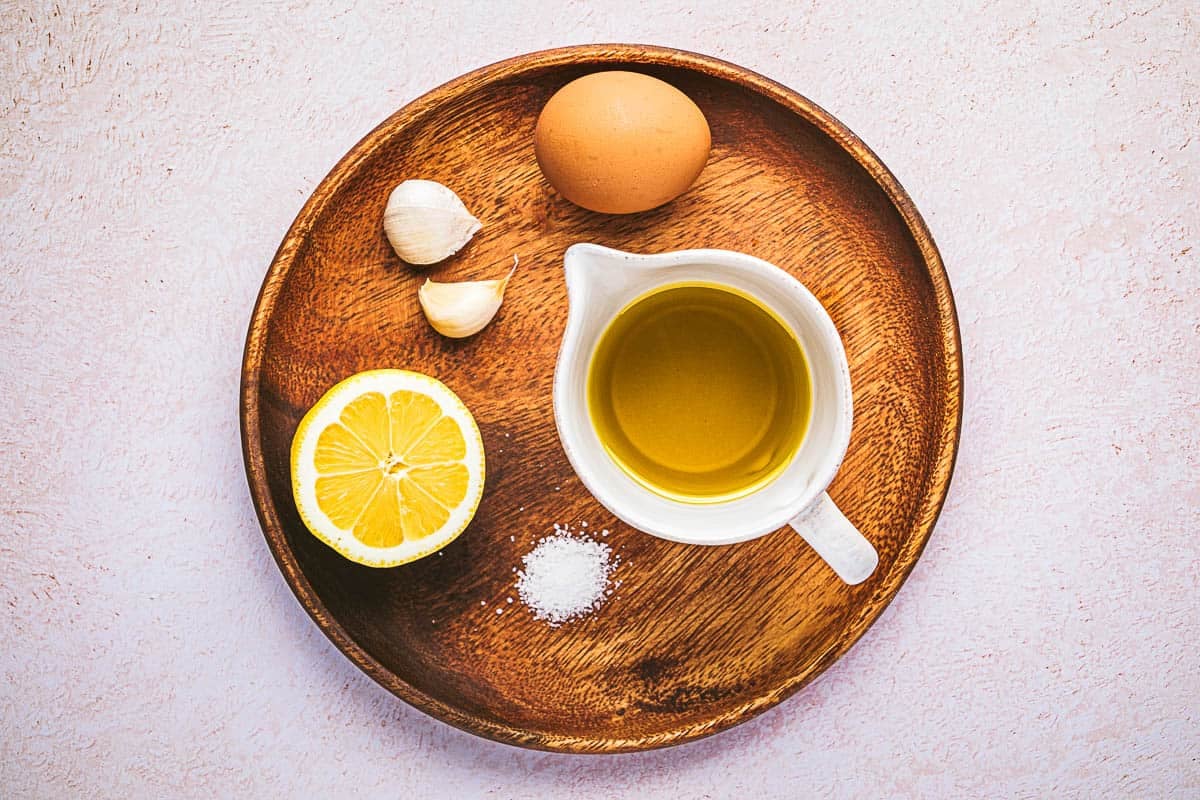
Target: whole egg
621,142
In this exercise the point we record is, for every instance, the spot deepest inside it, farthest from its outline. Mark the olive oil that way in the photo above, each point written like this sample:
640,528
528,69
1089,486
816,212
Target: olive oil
699,393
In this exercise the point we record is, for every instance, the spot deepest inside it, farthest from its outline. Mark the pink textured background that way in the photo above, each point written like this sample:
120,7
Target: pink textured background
151,158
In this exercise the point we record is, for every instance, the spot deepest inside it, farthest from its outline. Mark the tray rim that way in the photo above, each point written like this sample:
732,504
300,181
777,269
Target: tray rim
600,55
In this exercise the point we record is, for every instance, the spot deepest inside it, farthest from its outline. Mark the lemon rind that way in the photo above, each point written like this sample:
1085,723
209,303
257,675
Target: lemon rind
327,410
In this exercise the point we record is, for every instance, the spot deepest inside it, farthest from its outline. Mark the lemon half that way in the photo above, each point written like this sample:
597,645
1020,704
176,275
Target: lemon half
387,467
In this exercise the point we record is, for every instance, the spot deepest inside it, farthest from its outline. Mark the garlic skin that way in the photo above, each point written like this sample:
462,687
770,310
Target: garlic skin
426,222
458,310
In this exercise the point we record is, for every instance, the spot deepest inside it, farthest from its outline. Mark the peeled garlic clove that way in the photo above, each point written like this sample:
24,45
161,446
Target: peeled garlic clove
426,222
464,308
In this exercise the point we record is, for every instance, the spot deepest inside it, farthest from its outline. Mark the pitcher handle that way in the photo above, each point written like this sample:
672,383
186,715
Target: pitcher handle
836,540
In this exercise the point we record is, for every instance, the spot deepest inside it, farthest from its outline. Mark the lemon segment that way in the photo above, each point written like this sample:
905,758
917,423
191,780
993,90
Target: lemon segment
387,467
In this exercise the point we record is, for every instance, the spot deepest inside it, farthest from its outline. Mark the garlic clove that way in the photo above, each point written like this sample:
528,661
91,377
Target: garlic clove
426,222
464,308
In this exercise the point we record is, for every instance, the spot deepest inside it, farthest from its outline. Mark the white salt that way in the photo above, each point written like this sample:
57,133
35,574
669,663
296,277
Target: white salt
565,576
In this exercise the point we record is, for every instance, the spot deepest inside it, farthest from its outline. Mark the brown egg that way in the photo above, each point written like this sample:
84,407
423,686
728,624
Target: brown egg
620,142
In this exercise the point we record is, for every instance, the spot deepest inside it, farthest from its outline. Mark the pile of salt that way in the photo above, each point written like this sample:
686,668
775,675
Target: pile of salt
565,576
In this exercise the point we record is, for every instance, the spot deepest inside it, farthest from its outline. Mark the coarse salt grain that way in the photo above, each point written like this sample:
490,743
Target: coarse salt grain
565,576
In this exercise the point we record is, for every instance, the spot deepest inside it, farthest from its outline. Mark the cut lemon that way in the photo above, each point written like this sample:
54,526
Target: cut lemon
387,467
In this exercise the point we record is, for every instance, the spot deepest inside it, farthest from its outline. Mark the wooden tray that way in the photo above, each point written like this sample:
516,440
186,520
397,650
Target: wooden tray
696,639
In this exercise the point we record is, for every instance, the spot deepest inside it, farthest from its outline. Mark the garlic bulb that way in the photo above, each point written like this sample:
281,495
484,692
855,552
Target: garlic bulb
461,309
426,222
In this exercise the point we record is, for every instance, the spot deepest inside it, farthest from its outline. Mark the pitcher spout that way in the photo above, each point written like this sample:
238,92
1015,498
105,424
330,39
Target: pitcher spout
597,275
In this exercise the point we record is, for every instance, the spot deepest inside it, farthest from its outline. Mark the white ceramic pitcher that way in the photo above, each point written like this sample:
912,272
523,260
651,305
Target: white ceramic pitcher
601,282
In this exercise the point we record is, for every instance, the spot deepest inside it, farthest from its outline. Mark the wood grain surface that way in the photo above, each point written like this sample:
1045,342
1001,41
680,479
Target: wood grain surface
695,639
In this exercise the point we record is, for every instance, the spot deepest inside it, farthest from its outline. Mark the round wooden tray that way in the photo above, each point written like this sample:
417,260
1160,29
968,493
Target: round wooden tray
696,639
